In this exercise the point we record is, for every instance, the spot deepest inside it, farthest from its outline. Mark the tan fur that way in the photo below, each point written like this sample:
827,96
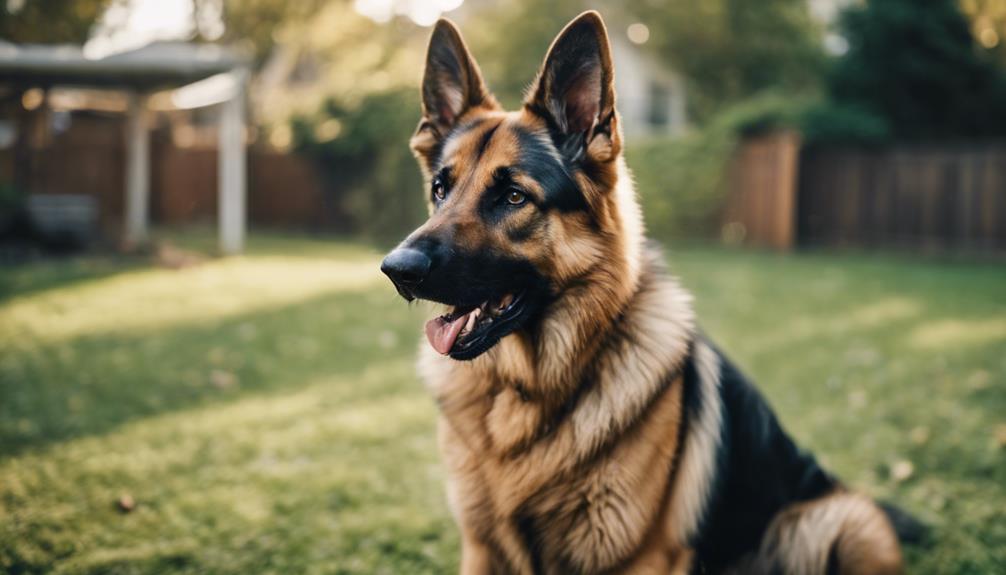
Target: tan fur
695,473
843,532
601,473
566,449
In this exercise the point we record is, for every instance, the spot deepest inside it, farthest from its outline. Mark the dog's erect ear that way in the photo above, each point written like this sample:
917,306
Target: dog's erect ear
575,91
452,82
452,85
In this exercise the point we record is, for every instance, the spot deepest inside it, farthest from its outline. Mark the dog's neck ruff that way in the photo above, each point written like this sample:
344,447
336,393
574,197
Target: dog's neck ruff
597,402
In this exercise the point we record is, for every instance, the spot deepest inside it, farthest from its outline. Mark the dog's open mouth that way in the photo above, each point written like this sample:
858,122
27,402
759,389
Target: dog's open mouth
468,331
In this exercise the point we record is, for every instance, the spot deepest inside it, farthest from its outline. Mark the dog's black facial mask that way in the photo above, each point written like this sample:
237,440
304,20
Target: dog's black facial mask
490,295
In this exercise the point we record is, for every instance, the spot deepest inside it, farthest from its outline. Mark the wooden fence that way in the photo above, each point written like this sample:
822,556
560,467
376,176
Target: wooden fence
283,189
907,196
92,165
928,197
914,196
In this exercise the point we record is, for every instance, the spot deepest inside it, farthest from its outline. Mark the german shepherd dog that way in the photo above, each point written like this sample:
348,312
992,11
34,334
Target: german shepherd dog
586,424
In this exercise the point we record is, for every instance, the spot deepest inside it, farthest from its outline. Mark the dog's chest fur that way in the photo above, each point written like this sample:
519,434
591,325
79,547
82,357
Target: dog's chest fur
583,487
596,515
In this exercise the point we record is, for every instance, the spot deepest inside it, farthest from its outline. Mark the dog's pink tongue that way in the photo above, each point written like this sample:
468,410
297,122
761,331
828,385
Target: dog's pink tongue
442,333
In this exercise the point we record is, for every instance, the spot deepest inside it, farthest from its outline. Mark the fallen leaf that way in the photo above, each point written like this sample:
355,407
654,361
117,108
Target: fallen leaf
126,503
902,470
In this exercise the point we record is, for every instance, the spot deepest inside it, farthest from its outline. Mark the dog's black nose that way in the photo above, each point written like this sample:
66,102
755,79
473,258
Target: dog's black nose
406,267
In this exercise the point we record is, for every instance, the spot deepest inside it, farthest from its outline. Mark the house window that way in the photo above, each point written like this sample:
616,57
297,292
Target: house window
660,105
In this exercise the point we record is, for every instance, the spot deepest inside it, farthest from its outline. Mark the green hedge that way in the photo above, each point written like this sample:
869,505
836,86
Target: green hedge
680,182
369,170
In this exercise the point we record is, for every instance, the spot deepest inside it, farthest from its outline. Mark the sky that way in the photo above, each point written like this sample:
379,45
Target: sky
422,12
132,23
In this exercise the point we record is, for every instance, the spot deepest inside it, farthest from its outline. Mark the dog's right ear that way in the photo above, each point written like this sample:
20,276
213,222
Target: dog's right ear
452,85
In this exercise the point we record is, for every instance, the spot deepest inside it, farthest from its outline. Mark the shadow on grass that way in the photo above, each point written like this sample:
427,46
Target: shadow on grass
337,472
92,384
34,278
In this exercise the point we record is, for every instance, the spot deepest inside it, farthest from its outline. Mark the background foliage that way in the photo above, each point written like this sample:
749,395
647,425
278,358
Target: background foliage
370,162
916,64
731,49
51,21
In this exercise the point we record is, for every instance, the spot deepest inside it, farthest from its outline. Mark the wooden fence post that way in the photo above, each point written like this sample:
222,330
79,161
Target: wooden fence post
762,195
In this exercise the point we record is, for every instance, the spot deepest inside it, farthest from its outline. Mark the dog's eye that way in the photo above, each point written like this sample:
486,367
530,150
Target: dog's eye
515,197
439,192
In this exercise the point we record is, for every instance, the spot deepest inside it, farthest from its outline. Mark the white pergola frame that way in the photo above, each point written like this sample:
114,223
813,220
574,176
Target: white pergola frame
140,73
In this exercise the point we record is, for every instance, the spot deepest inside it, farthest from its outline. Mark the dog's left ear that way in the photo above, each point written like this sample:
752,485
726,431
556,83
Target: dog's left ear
575,92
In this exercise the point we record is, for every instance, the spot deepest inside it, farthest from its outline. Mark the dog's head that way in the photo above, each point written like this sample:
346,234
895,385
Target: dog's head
521,203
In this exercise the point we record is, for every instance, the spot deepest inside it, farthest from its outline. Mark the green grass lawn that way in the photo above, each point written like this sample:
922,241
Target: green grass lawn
263,412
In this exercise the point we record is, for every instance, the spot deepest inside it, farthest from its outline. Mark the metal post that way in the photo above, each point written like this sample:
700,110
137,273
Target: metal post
232,184
137,171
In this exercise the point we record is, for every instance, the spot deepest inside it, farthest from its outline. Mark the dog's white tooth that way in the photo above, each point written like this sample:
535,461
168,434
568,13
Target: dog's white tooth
471,320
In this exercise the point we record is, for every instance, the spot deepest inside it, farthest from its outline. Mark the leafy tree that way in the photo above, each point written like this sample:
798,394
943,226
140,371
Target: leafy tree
49,21
726,49
916,64
369,164
729,50
256,22
988,23
510,41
